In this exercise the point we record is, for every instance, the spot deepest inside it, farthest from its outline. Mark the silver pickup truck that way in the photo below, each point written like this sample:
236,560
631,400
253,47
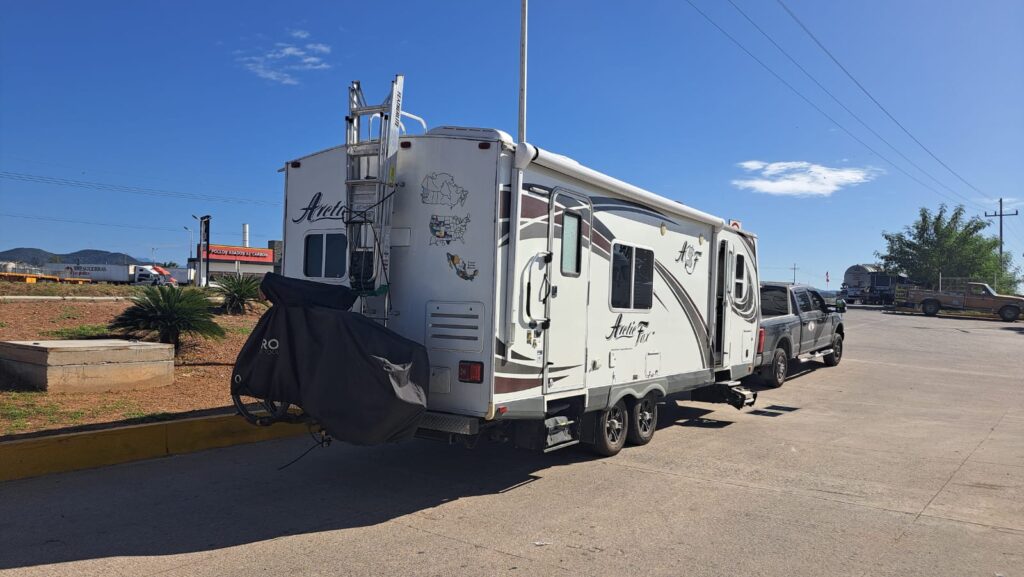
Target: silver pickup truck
795,322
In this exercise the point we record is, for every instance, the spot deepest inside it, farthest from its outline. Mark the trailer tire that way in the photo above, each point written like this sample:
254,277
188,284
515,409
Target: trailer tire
775,373
930,308
832,359
643,420
612,429
1009,313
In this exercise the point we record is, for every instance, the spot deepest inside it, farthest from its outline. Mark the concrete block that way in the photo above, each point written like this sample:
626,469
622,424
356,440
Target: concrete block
86,366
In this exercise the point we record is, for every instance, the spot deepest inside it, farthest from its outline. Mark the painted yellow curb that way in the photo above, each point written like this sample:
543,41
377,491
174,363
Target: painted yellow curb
73,451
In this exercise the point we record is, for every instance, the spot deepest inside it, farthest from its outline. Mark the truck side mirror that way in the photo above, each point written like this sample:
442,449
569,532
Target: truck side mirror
840,306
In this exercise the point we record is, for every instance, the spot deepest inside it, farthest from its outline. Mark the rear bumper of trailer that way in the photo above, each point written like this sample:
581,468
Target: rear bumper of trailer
447,426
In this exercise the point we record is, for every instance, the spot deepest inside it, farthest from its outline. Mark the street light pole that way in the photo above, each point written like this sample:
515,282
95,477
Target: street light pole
190,241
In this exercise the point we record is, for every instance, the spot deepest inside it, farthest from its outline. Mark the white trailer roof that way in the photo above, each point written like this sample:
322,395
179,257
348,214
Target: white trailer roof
528,154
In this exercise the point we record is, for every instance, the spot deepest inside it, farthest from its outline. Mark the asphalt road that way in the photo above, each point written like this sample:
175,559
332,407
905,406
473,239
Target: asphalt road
906,459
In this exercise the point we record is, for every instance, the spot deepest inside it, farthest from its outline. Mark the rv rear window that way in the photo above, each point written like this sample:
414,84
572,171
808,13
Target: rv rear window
326,255
632,277
335,255
314,256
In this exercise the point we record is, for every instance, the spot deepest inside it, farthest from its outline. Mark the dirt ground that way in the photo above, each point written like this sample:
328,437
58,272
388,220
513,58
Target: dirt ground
64,290
201,376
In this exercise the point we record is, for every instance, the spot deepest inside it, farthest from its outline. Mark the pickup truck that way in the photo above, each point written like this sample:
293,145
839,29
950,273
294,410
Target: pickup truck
795,322
976,296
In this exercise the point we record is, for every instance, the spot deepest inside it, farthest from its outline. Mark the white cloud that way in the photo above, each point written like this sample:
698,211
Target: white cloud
753,164
282,62
800,178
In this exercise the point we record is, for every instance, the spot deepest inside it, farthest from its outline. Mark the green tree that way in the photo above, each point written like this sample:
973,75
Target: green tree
948,243
168,312
169,264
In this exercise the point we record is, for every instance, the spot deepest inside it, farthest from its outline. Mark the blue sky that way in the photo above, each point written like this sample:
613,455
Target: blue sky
210,99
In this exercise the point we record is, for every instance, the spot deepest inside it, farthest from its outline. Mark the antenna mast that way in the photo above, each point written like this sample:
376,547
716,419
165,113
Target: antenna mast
522,73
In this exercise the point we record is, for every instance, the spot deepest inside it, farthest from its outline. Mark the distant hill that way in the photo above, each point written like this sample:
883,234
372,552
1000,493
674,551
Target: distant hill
38,256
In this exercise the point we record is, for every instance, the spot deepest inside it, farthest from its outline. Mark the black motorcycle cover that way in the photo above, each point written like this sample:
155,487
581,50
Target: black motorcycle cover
361,382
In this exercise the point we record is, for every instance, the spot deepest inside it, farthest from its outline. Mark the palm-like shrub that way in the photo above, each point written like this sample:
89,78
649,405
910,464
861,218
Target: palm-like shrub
168,312
238,292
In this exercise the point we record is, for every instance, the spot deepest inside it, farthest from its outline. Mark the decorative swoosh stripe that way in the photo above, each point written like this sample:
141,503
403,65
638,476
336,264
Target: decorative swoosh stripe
506,385
697,324
745,307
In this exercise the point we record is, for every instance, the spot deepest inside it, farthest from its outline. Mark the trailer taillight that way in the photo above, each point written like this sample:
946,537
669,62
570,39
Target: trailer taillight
760,341
471,372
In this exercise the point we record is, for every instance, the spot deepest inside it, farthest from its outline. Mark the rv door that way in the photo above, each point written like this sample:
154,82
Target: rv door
738,280
565,351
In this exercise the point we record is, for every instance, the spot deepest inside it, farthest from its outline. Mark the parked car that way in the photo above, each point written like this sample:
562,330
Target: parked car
975,296
796,322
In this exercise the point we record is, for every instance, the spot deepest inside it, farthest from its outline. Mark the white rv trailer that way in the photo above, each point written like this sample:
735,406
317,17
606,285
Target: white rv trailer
550,297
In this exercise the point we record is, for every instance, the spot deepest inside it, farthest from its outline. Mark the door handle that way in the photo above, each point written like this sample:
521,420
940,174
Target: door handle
544,257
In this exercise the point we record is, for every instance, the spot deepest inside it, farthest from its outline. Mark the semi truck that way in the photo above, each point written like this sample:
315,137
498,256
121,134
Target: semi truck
868,284
135,274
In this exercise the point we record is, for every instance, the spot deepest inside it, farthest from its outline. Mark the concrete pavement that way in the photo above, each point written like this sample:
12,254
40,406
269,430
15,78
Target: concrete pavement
906,459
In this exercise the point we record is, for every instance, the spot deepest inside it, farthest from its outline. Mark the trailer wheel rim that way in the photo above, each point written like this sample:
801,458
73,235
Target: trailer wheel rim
645,416
613,425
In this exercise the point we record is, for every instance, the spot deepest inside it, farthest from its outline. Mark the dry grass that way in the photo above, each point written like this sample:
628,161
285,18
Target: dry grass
51,289
202,373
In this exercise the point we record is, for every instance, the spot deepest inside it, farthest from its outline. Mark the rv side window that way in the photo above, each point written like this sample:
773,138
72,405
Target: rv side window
314,256
643,279
570,244
741,276
622,276
632,277
335,255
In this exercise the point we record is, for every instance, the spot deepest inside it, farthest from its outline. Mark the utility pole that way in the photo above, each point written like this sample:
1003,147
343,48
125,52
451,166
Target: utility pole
1001,214
794,268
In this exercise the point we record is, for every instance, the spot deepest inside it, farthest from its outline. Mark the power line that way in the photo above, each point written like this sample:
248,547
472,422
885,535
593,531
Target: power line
815,106
844,107
42,179
875,100
116,225
68,220
85,170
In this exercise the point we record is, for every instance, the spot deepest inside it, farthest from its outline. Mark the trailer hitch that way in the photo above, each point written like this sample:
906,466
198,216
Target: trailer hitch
730,393
740,397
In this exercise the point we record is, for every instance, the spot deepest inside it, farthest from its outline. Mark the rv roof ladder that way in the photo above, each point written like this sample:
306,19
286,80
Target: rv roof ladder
369,186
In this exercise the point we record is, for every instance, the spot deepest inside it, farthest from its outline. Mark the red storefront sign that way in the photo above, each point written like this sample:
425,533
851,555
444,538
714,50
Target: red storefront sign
225,253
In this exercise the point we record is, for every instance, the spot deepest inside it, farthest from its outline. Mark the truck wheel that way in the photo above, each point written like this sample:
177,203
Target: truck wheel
930,308
612,427
643,420
832,359
775,374
1009,314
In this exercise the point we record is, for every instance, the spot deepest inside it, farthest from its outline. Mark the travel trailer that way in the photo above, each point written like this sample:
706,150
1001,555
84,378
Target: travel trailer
557,304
